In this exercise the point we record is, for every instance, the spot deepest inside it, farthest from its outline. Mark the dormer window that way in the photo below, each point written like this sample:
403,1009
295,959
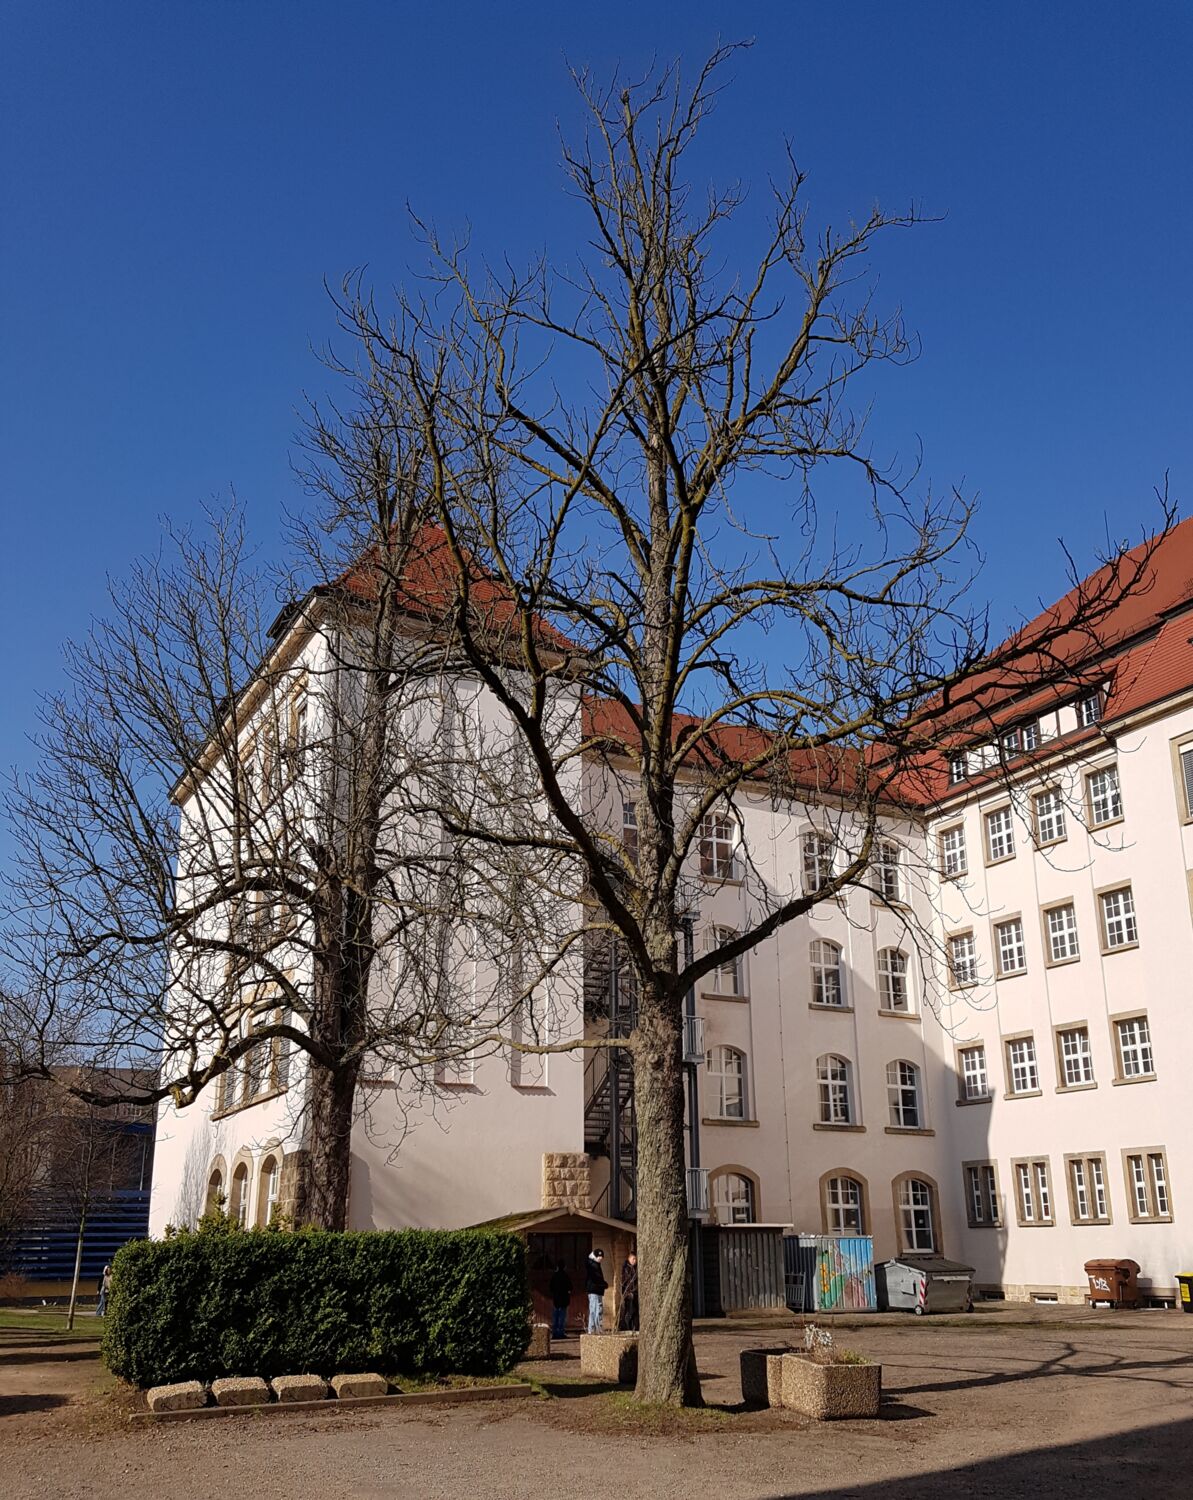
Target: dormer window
958,768
1089,709
1029,735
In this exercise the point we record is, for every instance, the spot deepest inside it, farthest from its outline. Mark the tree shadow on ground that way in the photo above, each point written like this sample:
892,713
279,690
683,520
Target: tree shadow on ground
12,1406
1151,1461
561,1390
1151,1370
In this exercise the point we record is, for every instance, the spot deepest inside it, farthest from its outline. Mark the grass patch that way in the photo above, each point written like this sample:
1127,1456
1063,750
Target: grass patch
45,1321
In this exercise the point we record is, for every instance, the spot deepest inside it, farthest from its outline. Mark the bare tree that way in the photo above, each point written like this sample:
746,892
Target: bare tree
663,462
25,1123
221,865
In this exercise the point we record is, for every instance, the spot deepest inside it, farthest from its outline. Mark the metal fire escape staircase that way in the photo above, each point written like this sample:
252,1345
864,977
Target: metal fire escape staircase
610,1128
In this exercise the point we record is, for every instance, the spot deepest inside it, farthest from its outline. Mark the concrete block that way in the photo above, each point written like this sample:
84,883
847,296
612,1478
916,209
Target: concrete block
830,1391
299,1388
359,1385
610,1356
762,1376
240,1390
188,1395
540,1342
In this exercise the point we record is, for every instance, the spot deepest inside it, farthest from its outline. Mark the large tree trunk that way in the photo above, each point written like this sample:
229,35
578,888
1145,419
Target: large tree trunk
331,1098
666,1364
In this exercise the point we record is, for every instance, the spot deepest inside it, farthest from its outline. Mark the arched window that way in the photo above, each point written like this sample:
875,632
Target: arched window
215,1190
727,1076
917,1214
835,1077
733,1198
827,985
903,1094
267,1191
893,993
238,1203
844,1205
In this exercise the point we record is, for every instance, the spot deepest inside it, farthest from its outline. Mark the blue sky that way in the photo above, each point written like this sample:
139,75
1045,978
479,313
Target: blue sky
176,180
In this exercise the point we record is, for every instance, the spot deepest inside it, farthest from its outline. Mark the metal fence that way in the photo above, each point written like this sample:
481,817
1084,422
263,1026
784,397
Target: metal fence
750,1263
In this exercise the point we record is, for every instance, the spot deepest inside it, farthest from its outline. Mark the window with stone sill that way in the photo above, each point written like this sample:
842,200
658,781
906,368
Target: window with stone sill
1009,946
1075,1056
1133,1043
828,986
1061,925
1119,928
893,990
1023,1072
834,1077
1051,826
963,959
1104,796
975,1081
1000,834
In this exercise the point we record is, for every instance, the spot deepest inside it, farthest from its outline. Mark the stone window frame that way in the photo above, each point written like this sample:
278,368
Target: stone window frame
1146,1152
954,982
1065,903
996,947
1062,815
1010,1092
864,1199
1085,1158
1114,1021
1032,1163
1059,1029
959,1068
1098,770
933,1205
991,1197
735,1169
1100,895
992,812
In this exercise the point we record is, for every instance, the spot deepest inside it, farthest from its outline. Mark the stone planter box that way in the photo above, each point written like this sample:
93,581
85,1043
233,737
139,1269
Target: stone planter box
540,1342
825,1391
762,1376
610,1356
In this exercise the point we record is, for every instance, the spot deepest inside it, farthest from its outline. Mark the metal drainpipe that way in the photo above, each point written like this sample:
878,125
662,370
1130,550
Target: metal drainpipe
687,922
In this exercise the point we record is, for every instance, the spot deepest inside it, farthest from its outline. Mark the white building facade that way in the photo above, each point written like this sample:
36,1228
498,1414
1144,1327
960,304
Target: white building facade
980,1055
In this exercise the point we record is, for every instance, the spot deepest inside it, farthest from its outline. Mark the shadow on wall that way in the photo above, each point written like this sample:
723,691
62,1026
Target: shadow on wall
1151,1461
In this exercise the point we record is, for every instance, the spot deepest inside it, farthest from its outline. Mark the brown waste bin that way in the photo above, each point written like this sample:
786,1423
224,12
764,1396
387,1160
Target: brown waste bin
1113,1281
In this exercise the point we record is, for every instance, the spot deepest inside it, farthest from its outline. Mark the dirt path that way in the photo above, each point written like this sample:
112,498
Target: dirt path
1075,1413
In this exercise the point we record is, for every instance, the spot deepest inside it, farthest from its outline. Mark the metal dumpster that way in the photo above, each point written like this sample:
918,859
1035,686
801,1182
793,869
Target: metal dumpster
1113,1281
924,1284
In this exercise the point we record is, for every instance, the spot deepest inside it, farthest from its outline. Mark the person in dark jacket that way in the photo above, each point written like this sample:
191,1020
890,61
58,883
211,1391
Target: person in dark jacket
560,1287
594,1280
627,1317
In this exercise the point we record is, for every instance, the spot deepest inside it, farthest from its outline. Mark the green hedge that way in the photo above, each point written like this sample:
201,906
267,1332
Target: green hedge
262,1302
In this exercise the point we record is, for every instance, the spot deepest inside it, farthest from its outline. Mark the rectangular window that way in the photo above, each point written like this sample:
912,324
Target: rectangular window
1186,755
1050,817
1061,924
887,880
958,768
1133,1044
975,1083
953,861
818,861
1033,1196
720,847
1000,835
1029,735
1105,797
963,959
1074,1056
1010,743
1119,929
1089,709
1089,1200
1011,949
1023,1073
727,976
629,830
981,1194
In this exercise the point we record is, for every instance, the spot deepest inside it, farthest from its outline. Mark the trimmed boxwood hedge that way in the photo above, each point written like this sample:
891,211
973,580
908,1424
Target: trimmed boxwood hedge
262,1302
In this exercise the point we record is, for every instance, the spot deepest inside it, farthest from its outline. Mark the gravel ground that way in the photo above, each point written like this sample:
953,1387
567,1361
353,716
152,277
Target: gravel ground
1075,1411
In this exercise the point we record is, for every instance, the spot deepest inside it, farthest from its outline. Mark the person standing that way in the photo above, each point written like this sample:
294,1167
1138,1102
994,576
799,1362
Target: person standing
105,1286
560,1287
596,1284
627,1317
